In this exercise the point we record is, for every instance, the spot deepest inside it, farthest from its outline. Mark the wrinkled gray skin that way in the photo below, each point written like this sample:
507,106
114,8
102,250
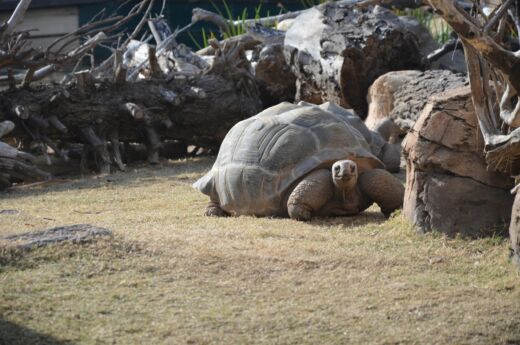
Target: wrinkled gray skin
298,161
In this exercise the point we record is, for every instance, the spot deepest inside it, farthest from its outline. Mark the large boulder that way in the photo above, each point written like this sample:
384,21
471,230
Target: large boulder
453,60
448,185
336,51
397,98
276,81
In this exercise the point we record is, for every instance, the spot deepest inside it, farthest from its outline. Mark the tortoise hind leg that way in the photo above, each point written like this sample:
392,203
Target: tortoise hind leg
383,188
310,194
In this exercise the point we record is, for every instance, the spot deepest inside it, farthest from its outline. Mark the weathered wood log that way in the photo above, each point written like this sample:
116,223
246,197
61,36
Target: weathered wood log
197,109
336,52
17,166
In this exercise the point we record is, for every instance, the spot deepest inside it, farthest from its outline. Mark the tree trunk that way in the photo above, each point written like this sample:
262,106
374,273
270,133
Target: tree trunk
18,166
448,186
197,109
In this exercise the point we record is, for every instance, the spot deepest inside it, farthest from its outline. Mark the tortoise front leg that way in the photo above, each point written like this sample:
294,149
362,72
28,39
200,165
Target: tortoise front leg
214,210
383,188
310,194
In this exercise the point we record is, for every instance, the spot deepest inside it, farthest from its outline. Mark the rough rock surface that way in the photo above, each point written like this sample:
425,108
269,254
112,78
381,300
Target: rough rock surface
337,51
400,97
78,233
453,61
276,81
448,187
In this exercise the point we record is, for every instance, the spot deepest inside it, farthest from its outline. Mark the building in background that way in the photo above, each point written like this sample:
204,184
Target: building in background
54,18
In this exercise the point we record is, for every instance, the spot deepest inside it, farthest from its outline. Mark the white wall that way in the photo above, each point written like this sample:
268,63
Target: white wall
51,23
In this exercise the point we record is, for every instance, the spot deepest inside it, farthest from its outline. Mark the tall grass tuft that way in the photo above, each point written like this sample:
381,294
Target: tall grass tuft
234,30
439,29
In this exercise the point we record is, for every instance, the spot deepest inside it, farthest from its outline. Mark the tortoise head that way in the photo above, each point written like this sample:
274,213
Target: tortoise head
345,174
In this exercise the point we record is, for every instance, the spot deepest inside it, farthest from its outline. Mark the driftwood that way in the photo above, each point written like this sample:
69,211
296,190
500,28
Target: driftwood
146,93
494,72
16,165
99,113
336,52
142,95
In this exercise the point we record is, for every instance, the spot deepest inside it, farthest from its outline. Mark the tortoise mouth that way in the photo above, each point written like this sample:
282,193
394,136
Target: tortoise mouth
343,177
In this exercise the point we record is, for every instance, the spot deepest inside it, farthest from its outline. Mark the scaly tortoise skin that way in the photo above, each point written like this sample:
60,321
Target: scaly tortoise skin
298,160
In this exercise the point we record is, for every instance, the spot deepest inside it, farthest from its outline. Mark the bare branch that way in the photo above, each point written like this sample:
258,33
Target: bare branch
466,27
141,24
16,18
199,14
447,47
498,14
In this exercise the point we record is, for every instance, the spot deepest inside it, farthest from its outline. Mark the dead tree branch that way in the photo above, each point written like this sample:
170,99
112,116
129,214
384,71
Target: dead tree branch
16,18
485,52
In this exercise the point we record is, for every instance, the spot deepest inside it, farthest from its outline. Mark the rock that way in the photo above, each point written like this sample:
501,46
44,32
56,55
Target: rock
276,81
448,187
285,25
78,233
6,127
453,61
396,99
9,212
336,52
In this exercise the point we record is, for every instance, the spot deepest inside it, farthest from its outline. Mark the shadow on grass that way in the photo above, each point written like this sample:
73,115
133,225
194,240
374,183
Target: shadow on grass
14,334
362,219
186,171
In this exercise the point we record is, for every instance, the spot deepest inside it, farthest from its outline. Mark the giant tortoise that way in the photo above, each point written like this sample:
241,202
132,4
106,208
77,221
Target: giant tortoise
298,160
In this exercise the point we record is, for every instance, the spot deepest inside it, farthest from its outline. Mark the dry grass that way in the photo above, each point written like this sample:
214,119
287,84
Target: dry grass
172,276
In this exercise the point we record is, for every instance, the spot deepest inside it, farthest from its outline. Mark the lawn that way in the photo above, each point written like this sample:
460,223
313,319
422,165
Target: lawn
172,276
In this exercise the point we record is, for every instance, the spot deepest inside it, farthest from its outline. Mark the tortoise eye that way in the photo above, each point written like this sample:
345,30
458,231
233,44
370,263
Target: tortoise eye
336,168
352,169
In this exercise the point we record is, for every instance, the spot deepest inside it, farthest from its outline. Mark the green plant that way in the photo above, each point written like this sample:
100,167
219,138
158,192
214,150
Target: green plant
237,29
206,36
439,29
